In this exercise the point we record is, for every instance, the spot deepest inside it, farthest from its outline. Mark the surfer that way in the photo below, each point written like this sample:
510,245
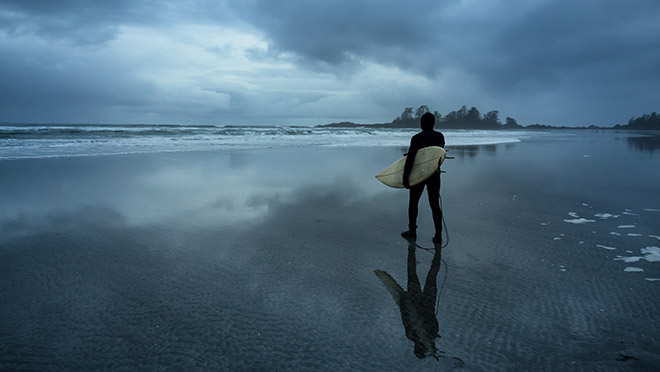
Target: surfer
417,306
427,137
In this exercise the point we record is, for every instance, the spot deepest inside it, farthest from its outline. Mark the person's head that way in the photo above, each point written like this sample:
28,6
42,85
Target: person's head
427,121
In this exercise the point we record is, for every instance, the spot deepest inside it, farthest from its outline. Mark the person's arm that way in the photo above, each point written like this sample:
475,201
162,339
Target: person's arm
410,160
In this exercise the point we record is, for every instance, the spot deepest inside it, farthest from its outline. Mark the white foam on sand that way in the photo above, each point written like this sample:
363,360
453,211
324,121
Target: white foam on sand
626,226
579,221
559,237
628,259
631,269
605,247
651,254
604,216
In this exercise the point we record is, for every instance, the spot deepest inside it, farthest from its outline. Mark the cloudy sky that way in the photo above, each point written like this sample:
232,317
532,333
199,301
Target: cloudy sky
304,62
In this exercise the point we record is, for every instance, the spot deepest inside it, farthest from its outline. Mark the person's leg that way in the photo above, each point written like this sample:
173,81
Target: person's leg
433,190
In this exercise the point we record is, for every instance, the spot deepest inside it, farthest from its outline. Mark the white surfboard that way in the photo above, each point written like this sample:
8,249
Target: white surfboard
427,161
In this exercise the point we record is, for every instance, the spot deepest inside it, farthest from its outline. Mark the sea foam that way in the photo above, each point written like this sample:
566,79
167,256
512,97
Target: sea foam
651,254
42,141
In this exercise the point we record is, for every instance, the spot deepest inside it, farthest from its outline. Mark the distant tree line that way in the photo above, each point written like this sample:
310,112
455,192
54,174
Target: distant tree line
471,118
644,122
464,118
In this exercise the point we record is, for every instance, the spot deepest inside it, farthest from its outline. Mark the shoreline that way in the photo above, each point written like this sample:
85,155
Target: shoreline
92,143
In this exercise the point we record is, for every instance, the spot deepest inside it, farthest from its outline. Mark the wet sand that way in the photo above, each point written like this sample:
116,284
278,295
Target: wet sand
241,260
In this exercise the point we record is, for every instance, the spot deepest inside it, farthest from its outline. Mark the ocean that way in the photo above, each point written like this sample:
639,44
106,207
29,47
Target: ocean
63,140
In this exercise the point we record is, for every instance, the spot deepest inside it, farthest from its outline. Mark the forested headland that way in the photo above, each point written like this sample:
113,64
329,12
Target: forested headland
471,118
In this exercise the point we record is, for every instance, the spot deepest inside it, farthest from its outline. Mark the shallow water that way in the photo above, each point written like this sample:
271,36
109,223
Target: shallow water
247,260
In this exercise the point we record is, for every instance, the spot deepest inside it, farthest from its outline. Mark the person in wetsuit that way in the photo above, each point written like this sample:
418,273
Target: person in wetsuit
427,137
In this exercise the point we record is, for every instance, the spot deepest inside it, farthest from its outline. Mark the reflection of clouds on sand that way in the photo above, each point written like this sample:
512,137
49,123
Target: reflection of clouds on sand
233,195
199,189
242,297
61,223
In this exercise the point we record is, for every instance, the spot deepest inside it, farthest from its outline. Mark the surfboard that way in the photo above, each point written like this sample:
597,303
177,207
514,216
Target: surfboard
427,161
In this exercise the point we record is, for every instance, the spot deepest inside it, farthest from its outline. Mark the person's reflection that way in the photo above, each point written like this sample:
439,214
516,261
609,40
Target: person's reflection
417,305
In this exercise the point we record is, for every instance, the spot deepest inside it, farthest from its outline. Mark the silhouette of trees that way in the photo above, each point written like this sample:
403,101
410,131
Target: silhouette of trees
423,109
511,123
471,118
473,115
492,118
645,122
463,118
406,115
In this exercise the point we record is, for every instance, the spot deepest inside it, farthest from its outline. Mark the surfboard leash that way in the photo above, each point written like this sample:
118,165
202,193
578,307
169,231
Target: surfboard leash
444,224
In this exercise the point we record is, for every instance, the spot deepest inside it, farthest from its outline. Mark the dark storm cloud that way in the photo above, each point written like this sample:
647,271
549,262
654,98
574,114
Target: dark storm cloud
505,45
46,82
340,33
82,21
511,49
92,22
564,37
599,61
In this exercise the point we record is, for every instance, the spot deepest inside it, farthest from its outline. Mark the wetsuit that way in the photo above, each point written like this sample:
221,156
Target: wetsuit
427,137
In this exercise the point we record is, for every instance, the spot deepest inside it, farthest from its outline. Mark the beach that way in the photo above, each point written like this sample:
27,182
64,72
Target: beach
253,259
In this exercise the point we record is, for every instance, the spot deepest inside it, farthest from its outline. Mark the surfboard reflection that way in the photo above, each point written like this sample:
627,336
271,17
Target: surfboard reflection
418,305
